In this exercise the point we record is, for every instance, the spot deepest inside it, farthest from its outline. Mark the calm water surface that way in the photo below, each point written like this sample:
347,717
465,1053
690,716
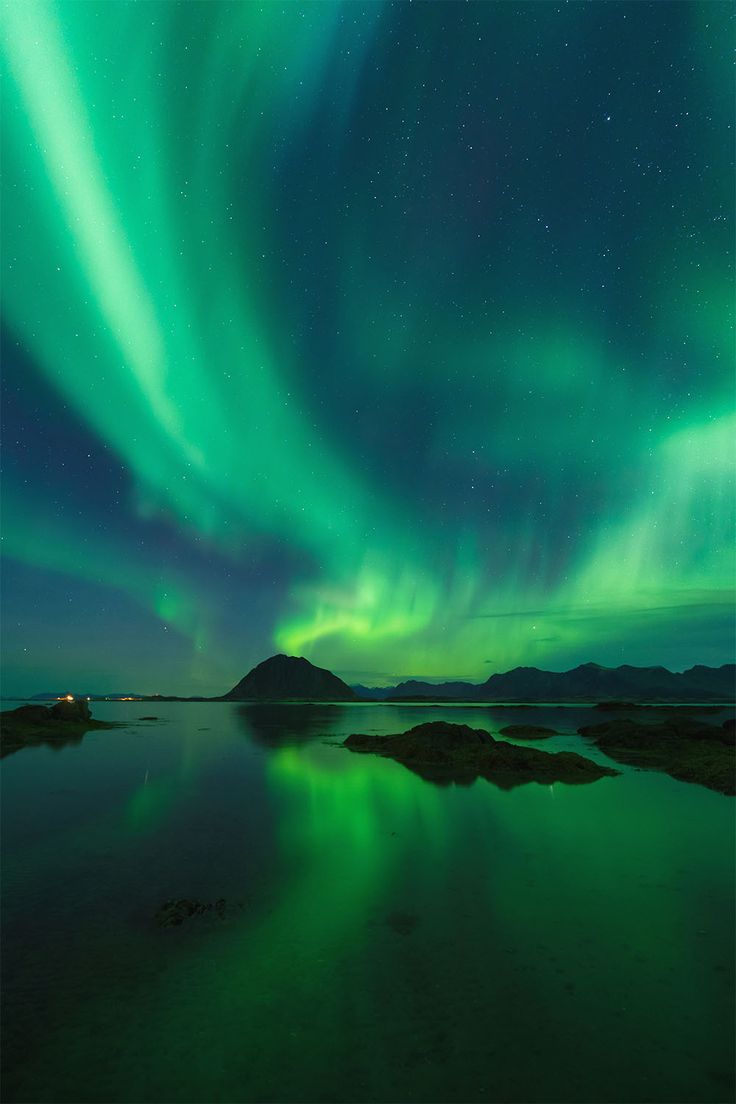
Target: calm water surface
387,939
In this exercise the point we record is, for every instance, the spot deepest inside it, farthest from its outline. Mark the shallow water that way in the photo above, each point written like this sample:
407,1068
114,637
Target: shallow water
387,939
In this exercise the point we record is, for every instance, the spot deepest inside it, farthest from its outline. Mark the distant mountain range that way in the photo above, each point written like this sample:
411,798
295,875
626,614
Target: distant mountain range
291,678
589,682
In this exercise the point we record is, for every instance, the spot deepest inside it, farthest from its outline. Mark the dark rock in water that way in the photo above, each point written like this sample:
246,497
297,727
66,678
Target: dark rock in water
403,923
661,707
148,718
290,678
76,710
26,715
684,748
528,732
442,752
173,913
435,741
65,722
624,732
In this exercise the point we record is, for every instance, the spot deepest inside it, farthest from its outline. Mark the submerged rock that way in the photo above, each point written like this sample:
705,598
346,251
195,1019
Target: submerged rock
528,732
442,752
403,923
686,749
173,913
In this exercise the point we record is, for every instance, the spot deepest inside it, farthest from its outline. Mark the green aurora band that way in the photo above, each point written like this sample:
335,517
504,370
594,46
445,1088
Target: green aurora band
487,431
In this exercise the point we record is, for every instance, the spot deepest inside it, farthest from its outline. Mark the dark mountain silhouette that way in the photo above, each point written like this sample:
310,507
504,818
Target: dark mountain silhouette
288,677
712,677
455,691
589,682
372,693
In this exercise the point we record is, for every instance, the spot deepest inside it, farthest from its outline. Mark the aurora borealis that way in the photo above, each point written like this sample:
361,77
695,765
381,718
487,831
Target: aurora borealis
398,336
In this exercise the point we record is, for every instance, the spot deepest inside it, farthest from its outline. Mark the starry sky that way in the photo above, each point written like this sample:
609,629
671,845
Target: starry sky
398,336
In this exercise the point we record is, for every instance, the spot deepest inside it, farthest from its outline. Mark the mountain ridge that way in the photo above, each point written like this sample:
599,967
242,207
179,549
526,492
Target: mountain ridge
282,677
587,682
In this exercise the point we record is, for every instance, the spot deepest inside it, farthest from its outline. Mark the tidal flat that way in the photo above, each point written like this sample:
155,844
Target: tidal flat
350,930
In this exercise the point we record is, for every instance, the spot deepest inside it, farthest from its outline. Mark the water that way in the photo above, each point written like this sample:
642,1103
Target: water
387,939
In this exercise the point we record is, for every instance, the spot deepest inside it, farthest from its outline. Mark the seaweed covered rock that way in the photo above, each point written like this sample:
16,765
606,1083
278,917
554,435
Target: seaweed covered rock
172,914
435,741
442,752
684,748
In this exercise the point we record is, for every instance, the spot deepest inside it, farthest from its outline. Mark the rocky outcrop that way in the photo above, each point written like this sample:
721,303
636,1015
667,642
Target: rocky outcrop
442,752
76,710
684,748
290,678
63,723
172,914
527,732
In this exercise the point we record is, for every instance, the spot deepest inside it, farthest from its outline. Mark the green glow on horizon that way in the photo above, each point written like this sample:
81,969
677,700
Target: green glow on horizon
154,301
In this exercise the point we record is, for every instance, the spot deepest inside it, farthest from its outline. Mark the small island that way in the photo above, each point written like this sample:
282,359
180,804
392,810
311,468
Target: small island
65,722
442,752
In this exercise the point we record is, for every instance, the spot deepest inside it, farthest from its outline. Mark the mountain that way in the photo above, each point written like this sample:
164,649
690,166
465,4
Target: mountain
589,682
456,691
290,677
372,693
711,678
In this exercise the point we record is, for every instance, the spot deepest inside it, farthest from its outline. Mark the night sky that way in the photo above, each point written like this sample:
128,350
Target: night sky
396,336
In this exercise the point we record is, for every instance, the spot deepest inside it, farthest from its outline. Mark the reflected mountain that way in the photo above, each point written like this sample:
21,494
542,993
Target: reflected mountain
279,724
